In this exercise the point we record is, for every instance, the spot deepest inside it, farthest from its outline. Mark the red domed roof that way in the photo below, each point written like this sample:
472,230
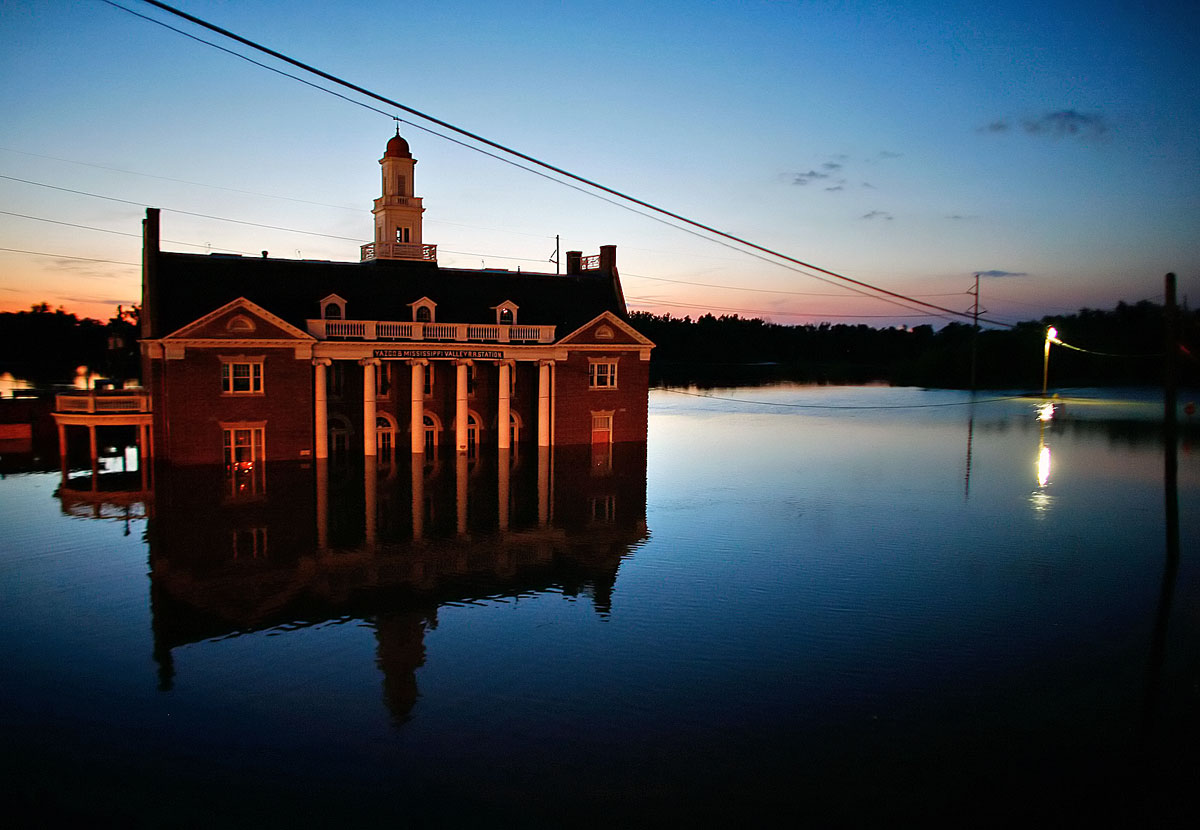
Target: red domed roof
397,147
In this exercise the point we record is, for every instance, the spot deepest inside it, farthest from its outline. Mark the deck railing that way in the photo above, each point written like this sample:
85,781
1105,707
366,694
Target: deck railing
99,403
374,330
399,250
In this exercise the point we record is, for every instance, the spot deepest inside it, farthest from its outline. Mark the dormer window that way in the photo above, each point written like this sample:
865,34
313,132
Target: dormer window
423,310
506,313
333,307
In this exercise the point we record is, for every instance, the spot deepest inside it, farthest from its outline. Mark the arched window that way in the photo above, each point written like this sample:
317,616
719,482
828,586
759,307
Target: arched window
506,317
333,311
472,435
385,438
424,315
431,434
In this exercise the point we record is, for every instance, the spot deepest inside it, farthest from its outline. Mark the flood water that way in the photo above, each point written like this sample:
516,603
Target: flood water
831,603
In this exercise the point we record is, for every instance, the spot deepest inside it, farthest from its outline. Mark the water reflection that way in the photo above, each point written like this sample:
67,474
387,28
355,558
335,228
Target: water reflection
388,543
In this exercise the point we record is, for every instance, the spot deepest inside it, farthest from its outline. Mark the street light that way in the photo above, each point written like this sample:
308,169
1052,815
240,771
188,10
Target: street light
1051,337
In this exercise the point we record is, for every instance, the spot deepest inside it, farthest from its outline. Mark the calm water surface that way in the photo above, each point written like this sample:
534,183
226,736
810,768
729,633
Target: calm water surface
846,604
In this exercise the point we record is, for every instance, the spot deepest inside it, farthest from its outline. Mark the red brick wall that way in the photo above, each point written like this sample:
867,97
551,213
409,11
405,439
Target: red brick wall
189,405
575,402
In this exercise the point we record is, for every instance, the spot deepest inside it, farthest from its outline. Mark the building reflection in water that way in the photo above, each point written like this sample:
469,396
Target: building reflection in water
389,541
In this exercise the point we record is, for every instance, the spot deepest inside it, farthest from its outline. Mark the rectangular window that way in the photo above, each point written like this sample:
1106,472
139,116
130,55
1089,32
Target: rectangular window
602,374
429,380
471,379
242,378
402,235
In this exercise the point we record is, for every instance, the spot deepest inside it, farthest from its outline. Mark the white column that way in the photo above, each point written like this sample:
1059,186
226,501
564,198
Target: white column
320,408
95,457
503,416
418,499
417,415
460,406
544,402
460,492
503,463
543,486
368,364
322,475
371,500
62,451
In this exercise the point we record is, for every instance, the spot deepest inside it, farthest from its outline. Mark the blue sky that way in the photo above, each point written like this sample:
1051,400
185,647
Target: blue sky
1052,146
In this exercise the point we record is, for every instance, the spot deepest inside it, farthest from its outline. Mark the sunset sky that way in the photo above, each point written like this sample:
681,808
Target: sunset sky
1053,147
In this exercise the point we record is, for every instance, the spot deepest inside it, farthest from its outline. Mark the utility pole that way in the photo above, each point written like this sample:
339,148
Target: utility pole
975,330
1171,467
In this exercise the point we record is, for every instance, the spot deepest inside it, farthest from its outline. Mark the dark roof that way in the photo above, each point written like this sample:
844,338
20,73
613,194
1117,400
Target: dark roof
190,286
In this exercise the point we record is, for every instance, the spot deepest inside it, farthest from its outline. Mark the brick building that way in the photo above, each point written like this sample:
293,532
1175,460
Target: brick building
258,359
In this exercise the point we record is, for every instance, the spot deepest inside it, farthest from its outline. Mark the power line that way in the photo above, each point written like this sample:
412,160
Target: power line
68,256
767,290
525,157
762,311
207,216
119,233
182,212
182,181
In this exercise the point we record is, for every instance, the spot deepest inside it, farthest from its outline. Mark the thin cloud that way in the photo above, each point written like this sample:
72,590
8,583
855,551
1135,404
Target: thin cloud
808,178
1067,123
878,214
1056,124
961,217
998,273
831,166
888,154
835,188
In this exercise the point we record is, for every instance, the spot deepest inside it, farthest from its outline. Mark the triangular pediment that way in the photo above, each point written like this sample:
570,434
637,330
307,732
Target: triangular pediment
240,319
607,330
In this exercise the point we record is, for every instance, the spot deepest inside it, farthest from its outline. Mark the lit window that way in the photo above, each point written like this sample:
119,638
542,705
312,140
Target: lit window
244,454
244,378
602,374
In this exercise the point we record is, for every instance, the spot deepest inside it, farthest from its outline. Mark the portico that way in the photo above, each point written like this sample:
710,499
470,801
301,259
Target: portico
470,369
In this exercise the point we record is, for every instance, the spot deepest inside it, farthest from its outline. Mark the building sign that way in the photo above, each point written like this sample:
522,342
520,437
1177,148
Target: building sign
481,354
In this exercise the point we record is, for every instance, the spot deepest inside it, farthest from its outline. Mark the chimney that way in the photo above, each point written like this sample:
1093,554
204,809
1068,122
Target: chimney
150,243
574,262
608,257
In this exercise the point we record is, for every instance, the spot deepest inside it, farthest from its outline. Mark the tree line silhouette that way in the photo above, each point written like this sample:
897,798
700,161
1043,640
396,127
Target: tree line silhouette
1123,346
46,346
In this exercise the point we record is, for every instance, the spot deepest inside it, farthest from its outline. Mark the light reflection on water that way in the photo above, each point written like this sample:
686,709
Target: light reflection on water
859,611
